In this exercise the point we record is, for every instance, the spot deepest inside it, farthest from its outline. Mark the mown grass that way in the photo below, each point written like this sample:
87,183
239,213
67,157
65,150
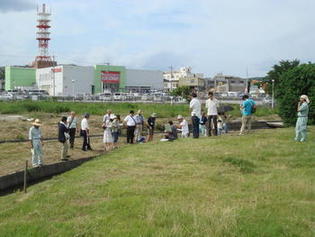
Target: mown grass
262,111
162,110
184,188
20,107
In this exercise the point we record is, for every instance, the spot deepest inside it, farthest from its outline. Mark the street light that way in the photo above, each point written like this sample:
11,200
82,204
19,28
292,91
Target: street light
73,81
273,94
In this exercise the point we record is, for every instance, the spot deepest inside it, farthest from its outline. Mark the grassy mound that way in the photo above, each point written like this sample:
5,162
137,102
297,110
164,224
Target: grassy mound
256,185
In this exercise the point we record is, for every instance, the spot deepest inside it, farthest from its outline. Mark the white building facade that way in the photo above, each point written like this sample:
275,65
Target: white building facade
65,80
172,78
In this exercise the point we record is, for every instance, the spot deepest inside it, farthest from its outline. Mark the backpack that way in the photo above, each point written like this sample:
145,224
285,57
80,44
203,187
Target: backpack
253,108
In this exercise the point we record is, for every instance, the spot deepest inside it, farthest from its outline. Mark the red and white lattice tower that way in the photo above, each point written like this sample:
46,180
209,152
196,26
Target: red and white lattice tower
43,36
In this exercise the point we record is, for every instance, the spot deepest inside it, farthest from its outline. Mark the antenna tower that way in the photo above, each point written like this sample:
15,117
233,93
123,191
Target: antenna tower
43,36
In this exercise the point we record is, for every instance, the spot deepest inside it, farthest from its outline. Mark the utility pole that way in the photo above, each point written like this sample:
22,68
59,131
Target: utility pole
273,94
54,80
247,82
73,92
171,67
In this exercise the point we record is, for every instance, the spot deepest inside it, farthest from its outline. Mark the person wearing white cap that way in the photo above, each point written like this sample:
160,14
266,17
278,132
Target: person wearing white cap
301,123
183,126
35,136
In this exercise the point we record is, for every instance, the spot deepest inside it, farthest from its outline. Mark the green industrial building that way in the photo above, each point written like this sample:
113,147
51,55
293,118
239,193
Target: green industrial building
71,79
109,77
16,77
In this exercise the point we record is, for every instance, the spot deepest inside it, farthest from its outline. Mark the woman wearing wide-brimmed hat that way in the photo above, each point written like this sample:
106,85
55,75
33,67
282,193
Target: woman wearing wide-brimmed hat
301,123
35,136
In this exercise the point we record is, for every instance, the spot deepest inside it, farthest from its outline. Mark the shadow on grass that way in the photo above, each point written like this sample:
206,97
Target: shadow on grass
244,165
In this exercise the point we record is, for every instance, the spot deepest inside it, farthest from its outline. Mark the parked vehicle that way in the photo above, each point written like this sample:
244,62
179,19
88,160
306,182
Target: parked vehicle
107,96
6,97
119,96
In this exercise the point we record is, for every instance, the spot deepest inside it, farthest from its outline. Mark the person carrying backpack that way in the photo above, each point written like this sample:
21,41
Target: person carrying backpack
248,107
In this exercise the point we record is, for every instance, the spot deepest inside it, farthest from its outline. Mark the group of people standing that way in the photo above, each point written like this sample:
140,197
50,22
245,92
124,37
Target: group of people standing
207,122
111,123
210,122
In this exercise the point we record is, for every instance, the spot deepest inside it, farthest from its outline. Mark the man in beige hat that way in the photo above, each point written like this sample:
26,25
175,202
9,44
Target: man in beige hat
35,136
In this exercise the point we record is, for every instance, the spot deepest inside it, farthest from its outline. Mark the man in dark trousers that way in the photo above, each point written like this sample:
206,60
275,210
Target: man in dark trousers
195,107
85,133
63,138
72,125
151,126
195,125
212,105
131,125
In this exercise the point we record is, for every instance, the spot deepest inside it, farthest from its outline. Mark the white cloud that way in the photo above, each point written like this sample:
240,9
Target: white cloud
210,35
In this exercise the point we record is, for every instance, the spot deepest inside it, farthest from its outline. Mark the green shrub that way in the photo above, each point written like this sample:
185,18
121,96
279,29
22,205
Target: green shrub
291,80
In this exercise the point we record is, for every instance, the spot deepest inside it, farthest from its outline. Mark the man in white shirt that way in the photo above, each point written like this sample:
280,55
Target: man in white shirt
85,133
72,125
195,107
212,105
131,125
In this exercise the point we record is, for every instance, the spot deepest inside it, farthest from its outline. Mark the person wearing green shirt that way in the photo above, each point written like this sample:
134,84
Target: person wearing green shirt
301,123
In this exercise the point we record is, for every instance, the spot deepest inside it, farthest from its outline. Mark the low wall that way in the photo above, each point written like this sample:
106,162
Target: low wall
34,174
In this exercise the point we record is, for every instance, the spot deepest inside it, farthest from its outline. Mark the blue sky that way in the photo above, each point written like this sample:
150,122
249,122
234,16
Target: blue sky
212,36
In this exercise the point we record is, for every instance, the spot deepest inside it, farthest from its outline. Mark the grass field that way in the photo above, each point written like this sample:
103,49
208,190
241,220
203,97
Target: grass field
162,110
256,185
22,107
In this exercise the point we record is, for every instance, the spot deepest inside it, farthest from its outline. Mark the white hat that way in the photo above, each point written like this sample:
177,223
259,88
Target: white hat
113,116
305,97
37,122
179,117
153,115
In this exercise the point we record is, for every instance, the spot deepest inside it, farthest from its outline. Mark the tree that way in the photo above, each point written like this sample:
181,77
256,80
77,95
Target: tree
275,74
291,84
183,91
